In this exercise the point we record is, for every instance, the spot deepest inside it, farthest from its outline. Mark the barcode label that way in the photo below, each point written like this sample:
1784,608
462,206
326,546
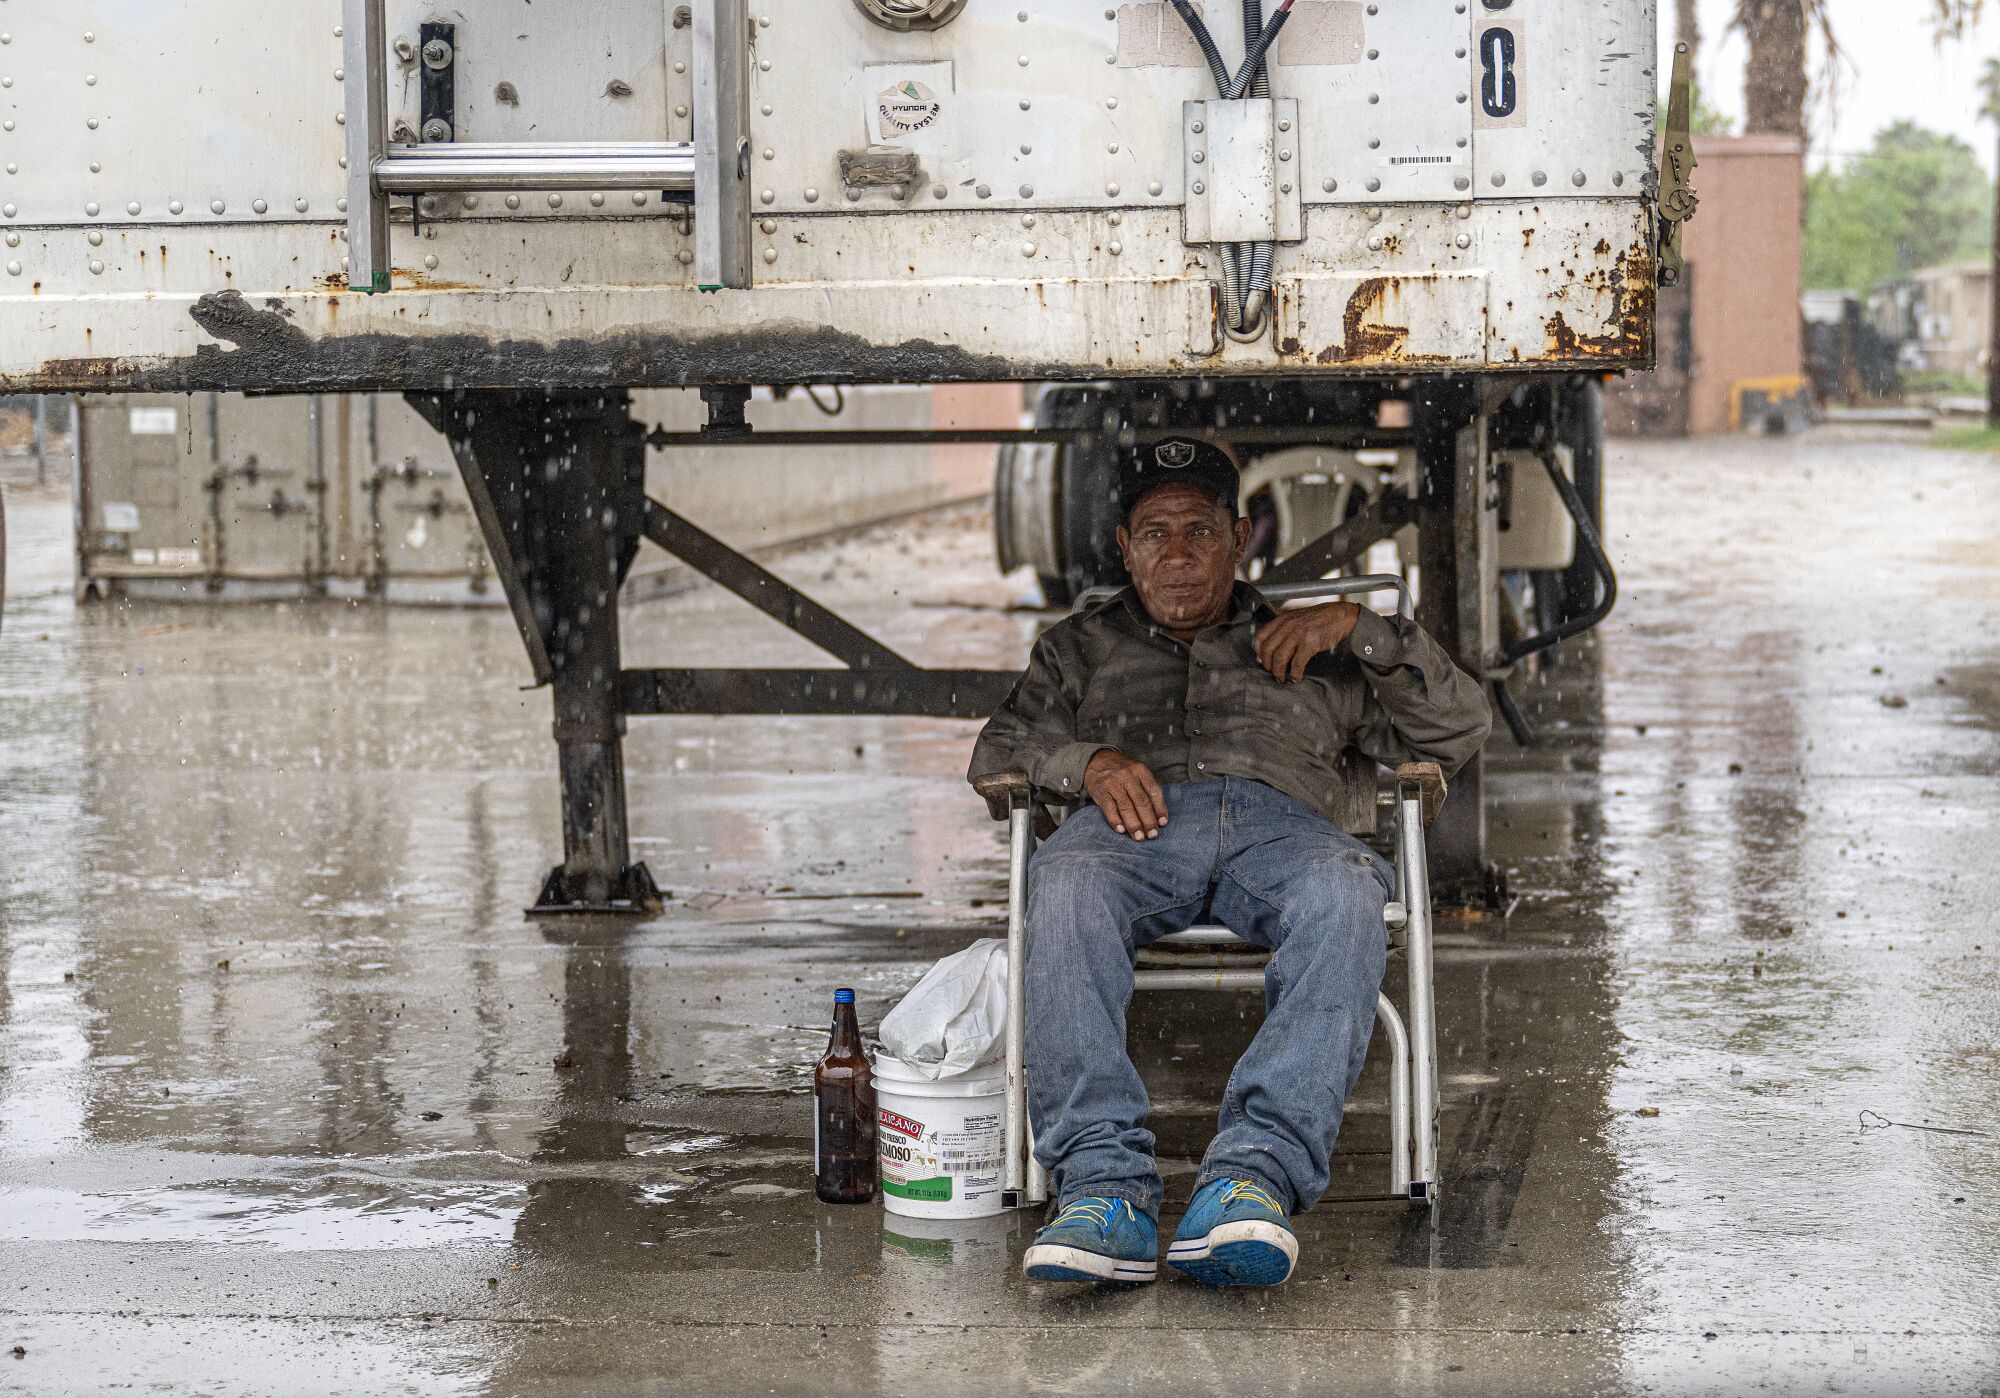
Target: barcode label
1423,159
985,1166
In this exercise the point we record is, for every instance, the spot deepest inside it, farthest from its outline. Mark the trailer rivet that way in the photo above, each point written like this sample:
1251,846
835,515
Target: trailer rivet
340,204
764,66
853,195
769,196
89,37
1458,53
1373,98
1578,178
1027,191
96,267
90,80
1114,218
1619,179
1374,242
812,196
1153,188
428,204
1539,178
340,75
763,21
1197,157
299,206
555,201
1111,191
1112,103
1284,155
13,239
770,154
680,67
95,168
769,225
1461,97
684,256
939,191
1027,220
339,119
1374,143
1465,210
1199,188
7,125
1116,247
1374,53
174,206
1464,240
638,197
767,109
1027,104
513,201
596,201
90,208
13,269
1461,182
1284,126
1027,149
1197,128
6,38
1329,185
92,123
680,109
95,237
1498,178
770,254
1374,185
1111,149
7,209
259,206
1027,249
430,262
1285,188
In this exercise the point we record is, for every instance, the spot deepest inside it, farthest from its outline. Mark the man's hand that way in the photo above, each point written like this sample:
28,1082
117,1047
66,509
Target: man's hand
1127,794
1286,645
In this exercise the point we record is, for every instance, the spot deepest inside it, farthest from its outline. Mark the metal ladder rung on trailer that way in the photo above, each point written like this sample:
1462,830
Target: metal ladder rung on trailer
713,168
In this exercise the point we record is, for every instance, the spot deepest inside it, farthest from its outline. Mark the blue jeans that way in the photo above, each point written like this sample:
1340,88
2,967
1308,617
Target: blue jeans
1273,871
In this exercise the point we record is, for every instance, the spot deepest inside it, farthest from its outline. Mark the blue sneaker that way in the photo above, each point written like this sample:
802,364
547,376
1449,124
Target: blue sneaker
1234,1234
1095,1240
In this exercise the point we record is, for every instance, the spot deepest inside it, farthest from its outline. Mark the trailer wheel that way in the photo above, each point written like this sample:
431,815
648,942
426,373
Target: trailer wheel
1055,508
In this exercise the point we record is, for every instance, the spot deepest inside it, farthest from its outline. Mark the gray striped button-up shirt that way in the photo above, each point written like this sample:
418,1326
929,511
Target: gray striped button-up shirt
1111,677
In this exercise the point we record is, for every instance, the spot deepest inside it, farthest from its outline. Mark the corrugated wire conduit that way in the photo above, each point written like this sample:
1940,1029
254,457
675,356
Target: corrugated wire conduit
1246,267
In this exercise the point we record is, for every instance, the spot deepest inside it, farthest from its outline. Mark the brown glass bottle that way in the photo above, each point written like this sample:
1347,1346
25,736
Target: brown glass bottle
844,1165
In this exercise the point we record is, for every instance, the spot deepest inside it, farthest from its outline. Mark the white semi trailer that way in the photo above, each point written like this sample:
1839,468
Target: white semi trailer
1420,225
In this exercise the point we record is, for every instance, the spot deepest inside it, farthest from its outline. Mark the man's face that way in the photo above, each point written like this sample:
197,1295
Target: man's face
1182,547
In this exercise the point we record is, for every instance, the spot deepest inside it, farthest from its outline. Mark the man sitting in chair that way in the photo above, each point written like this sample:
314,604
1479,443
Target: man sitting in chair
1221,746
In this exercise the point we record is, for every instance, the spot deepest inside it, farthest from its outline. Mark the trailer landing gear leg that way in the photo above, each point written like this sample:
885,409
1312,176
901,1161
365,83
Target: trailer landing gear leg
557,482
1458,552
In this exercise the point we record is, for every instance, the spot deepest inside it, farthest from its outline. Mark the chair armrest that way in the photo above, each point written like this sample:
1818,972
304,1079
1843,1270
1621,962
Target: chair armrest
1429,780
1004,792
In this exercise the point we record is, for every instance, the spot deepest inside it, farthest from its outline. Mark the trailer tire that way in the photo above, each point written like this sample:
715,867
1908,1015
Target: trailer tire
1055,508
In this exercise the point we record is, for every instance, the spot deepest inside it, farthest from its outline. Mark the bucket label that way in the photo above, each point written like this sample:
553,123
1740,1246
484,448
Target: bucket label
953,1159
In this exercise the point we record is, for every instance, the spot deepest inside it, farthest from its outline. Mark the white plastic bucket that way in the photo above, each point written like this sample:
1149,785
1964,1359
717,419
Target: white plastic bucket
942,1142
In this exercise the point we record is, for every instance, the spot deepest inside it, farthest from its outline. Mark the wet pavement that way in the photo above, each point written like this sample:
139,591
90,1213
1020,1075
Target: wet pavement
293,1099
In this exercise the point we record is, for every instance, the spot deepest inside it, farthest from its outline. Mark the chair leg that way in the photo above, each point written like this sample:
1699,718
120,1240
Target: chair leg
1019,1162
1423,1017
1399,1095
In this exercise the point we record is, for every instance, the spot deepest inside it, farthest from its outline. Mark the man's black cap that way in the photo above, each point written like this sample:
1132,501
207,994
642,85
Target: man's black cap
1175,461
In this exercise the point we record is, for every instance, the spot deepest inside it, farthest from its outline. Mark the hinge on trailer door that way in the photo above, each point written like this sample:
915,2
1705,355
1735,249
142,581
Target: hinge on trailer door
1677,162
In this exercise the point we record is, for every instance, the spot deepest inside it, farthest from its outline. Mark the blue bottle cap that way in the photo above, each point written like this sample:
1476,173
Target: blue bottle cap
843,997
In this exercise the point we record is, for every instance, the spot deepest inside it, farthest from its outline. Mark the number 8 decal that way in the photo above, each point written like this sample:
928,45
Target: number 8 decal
1496,89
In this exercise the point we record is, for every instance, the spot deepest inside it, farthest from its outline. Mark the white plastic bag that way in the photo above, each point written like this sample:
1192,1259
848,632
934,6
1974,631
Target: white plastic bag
955,1018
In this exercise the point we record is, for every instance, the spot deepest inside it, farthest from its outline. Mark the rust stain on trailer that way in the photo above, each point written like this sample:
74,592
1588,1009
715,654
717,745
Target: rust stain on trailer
1628,287
1367,336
